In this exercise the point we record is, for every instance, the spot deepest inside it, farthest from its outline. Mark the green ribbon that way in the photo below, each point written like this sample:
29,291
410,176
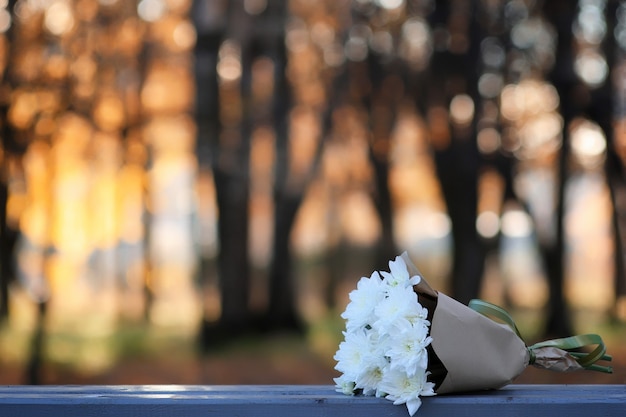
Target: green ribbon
568,344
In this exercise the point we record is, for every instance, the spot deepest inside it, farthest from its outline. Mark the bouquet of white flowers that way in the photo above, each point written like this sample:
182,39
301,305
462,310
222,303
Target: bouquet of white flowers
403,340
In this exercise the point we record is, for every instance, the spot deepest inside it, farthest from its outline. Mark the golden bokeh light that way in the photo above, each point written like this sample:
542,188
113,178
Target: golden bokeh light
108,113
5,20
167,89
462,109
59,17
229,65
588,143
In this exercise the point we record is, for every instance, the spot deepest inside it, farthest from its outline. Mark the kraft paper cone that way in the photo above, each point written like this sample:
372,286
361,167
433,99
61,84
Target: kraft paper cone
477,352
472,352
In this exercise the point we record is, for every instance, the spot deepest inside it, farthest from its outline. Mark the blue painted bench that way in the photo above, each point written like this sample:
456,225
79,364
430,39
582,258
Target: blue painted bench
301,401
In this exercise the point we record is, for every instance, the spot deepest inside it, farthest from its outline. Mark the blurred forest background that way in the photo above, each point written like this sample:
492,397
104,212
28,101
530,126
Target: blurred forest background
190,188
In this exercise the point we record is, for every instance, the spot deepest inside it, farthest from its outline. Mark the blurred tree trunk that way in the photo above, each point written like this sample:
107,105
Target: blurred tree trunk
383,105
453,72
6,252
614,172
616,182
210,26
561,13
15,141
226,148
232,199
603,111
7,241
289,188
282,310
8,151
373,92
376,87
607,113
35,359
9,234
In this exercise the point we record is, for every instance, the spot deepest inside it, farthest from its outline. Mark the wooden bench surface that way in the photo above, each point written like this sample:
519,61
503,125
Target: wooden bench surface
302,401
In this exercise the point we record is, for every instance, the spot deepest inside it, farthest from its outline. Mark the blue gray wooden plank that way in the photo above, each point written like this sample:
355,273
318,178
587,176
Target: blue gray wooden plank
301,401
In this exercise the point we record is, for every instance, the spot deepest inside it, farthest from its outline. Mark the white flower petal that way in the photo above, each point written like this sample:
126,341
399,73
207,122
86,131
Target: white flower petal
344,385
413,405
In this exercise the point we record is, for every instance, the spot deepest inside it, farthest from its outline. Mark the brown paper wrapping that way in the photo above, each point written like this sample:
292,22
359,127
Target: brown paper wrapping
477,352
473,352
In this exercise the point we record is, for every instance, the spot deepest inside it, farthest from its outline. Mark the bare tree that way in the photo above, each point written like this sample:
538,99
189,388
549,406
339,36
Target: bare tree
10,153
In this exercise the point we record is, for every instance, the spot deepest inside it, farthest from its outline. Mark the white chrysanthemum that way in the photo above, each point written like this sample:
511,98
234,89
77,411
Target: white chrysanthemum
400,304
352,353
407,350
372,374
363,301
418,315
399,274
404,389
